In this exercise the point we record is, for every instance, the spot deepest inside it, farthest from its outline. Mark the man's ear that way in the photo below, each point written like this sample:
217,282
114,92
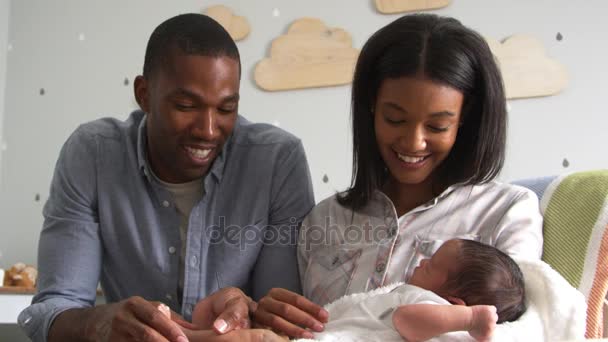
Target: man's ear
140,90
456,301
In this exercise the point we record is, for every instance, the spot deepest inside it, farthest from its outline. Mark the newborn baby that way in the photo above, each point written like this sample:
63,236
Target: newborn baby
460,293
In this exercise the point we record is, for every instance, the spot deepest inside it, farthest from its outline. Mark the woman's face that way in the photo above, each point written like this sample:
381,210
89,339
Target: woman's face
416,121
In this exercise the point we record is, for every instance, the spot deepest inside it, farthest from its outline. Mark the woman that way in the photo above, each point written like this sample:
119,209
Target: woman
429,129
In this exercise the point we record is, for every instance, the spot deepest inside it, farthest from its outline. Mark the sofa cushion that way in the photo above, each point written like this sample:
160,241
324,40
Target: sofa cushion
575,214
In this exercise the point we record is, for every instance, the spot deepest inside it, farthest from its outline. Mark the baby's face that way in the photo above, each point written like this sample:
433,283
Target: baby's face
432,273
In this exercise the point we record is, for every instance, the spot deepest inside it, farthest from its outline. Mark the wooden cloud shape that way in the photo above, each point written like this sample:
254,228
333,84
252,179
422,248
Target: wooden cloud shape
526,69
237,26
398,6
309,55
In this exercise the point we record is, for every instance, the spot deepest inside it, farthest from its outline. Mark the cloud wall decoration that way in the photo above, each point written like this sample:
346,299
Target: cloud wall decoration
237,26
526,69
398,6
310,55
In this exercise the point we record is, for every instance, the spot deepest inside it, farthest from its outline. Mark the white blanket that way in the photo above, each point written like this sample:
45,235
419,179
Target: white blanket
556,312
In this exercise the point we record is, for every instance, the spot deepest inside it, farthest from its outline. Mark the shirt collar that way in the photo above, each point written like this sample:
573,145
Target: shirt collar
219,164
142,160
444,194
217,168
381,197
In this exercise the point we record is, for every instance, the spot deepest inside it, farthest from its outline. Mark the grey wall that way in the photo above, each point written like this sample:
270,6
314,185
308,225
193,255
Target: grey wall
81,51
4,47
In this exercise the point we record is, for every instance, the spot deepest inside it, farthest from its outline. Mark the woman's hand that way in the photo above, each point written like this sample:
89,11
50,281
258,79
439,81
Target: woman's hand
194,335
223,311
290,313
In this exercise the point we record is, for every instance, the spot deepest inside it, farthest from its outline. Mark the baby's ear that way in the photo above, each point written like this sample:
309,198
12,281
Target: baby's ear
456,301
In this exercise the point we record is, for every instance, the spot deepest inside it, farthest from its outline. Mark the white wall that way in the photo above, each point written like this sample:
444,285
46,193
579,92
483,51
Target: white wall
83,80
4,47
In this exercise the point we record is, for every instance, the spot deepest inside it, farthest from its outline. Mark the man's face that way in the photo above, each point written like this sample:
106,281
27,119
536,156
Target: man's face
192,104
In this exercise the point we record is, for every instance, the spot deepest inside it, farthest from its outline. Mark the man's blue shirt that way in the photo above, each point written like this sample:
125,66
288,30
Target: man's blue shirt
108,220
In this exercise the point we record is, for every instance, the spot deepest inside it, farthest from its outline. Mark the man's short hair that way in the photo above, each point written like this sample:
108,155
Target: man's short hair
191,34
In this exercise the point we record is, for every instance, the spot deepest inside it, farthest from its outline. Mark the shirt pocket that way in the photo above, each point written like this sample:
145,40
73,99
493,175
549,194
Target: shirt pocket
329,273
234,254
424,248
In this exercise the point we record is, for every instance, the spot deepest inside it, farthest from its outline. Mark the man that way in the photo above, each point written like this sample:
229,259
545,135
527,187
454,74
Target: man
184,198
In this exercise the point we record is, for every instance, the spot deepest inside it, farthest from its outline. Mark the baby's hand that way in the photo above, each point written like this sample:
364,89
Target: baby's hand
483,322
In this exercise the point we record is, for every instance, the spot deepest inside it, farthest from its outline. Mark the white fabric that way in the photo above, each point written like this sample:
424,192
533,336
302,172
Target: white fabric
556,311
341,252
363,317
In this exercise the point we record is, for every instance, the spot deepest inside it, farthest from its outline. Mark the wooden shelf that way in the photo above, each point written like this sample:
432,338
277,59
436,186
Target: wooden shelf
17,290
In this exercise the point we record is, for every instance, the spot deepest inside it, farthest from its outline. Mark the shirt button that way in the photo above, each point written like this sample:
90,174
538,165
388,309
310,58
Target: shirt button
169,296
380,267
166,204
171,250
194,261
189,309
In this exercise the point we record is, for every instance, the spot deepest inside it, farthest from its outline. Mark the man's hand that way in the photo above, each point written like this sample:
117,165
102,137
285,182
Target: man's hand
133,319
288,312
483,322
227,313
243,335
136,319
223,311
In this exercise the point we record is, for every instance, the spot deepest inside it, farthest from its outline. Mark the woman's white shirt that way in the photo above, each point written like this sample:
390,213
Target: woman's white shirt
343,252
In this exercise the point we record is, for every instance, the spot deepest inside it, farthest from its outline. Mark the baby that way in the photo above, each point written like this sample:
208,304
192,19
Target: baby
465,286
485,284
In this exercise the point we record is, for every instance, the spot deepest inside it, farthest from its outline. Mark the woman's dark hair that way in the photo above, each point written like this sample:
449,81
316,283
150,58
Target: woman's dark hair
445,51
487,276
191,34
